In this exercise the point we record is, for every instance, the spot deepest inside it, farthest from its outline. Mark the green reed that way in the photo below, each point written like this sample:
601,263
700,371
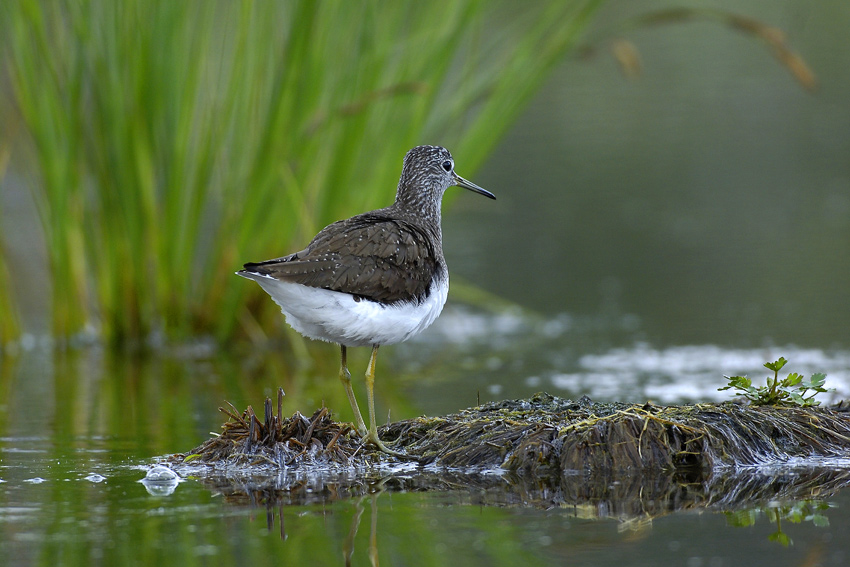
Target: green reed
173,141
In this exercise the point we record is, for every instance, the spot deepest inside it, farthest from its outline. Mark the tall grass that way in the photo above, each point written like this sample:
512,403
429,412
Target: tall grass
175,140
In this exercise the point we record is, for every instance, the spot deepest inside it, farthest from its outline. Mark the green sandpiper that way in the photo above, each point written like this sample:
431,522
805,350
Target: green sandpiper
378,278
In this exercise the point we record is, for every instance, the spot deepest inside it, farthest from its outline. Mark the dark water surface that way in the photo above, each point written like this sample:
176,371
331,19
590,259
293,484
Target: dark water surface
710,198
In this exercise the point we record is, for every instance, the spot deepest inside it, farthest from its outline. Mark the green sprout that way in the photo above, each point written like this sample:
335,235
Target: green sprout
790,391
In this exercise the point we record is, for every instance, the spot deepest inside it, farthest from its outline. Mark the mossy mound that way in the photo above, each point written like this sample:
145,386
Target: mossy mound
546,435
543,436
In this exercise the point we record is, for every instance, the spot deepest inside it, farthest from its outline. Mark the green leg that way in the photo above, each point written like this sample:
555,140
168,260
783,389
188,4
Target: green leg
370,389
345,378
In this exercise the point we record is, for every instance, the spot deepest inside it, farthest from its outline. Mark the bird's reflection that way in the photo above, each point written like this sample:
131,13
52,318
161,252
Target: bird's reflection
275,509
348,544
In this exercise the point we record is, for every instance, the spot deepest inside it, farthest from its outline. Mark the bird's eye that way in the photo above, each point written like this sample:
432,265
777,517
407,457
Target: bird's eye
447,165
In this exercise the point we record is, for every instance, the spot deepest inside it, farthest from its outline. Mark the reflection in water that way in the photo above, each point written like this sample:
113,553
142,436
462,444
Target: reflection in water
776,510
627,495
813,511
348,543
635,502
160,481
275,498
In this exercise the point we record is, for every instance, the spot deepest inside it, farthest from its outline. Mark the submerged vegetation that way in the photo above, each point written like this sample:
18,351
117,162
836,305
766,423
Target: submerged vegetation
175,140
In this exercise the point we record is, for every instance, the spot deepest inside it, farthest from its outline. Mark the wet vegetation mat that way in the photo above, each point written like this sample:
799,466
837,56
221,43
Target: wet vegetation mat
544,451
541,436
277,441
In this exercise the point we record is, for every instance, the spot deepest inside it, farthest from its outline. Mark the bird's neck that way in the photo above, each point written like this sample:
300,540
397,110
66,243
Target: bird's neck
419,205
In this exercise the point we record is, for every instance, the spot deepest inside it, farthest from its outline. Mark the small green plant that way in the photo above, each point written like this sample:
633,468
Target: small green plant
790,391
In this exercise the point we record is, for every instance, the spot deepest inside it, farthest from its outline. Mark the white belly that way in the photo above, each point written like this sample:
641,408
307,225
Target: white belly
336,317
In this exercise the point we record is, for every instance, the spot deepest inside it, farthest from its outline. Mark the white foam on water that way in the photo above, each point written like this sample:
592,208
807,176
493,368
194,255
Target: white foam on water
695,372
557,353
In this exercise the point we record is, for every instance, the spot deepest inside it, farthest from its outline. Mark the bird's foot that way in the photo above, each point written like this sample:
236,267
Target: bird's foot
372,437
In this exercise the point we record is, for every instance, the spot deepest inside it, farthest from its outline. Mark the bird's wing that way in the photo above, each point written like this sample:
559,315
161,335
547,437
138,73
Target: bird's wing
373,257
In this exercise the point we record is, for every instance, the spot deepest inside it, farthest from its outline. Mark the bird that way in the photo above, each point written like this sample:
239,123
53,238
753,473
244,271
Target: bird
377,278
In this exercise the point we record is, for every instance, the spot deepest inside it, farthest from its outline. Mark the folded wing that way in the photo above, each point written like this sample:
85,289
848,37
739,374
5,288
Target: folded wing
370,256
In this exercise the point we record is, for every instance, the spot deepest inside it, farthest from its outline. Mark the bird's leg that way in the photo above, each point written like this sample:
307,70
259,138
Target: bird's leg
345,378
370,390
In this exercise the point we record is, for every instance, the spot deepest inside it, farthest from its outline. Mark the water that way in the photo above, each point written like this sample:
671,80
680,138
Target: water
68,519
80,430
710,198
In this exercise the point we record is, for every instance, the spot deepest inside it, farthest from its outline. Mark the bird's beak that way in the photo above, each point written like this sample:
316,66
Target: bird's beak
461,182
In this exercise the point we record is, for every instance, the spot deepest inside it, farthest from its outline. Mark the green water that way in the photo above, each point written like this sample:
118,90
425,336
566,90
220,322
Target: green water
79,431
117,523
68,519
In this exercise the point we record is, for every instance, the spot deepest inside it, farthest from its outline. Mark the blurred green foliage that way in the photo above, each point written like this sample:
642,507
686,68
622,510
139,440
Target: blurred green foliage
169,142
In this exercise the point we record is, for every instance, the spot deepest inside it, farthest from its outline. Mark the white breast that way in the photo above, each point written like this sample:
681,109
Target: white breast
338,318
